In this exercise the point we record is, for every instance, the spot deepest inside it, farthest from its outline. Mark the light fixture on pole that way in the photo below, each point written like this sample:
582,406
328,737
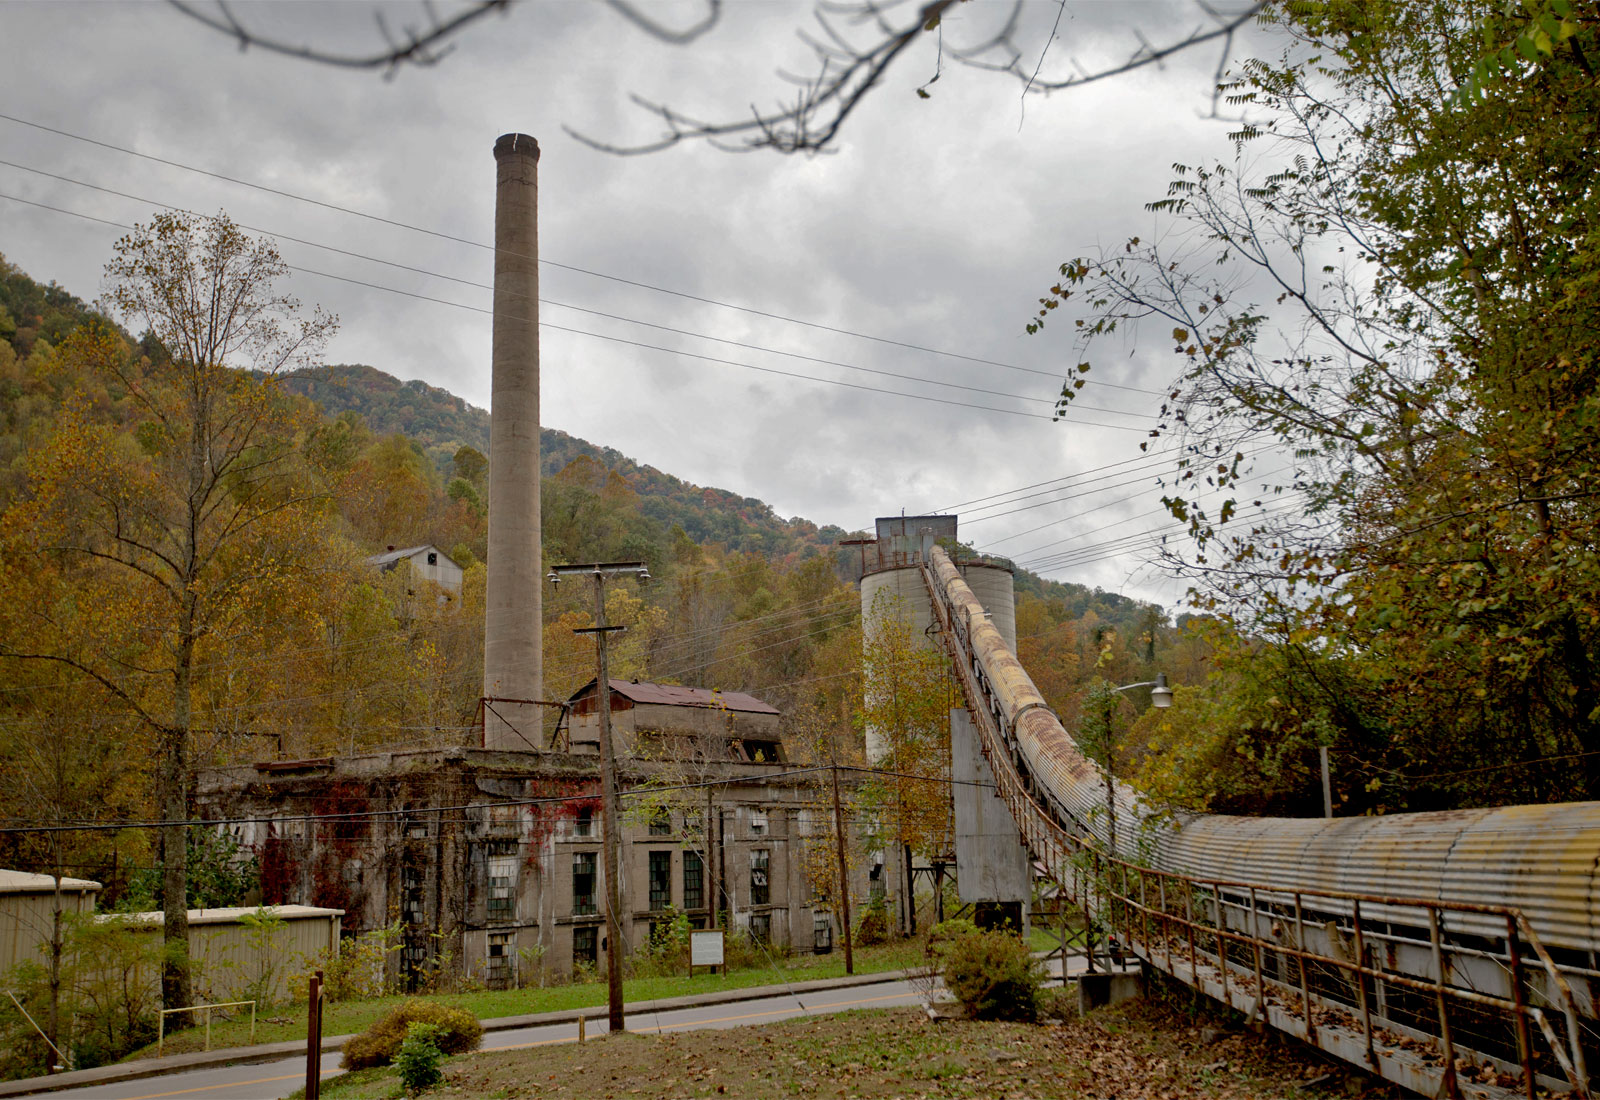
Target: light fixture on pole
1160,693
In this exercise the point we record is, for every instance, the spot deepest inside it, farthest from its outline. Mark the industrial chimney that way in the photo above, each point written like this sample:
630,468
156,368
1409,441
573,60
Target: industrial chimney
513,642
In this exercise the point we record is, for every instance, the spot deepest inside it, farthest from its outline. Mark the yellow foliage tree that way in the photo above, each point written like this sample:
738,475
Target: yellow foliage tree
138,557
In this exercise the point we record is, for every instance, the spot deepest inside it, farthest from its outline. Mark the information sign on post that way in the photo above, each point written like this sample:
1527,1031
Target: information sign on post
705,949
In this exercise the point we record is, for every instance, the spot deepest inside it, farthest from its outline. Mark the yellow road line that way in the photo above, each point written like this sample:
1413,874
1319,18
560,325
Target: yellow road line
213,1088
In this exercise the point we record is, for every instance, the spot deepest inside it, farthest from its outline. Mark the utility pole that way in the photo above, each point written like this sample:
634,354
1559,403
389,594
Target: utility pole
844,873
611,811
1327,784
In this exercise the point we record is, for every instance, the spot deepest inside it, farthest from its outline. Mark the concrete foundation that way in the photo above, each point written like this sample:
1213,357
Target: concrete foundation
1100,989
513,653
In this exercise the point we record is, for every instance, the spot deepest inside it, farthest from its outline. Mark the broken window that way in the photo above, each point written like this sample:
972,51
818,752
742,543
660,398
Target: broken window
502,886
758,823
661,823
760,891
583,822
583,883
660,880
411,906
761,927
694,881
497,962
586,946
762,752
433,558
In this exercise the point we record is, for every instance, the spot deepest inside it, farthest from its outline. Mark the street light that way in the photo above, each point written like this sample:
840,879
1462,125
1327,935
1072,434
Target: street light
1160,698
1160,693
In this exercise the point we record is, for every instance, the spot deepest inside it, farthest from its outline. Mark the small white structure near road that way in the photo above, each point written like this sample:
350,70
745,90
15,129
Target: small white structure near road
27,911
228,956
427,561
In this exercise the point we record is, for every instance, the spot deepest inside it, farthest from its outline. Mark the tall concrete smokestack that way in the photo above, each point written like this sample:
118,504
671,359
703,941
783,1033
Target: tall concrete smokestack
513,641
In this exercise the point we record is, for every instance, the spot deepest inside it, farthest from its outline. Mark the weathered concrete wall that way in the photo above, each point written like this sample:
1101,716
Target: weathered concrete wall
474,878
991,863
629,719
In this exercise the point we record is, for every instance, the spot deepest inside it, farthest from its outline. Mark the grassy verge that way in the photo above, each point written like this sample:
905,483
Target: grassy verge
1135,1051
345,1017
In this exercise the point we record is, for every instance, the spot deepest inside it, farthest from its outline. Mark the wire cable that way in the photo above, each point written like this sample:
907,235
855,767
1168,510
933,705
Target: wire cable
552,263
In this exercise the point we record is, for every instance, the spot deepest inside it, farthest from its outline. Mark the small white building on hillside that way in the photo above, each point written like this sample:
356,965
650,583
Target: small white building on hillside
428,562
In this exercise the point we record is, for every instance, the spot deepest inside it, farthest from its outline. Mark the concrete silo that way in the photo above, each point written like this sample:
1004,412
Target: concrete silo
992,866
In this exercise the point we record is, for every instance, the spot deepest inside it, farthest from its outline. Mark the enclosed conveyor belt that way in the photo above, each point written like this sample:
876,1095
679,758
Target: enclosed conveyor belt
1410,919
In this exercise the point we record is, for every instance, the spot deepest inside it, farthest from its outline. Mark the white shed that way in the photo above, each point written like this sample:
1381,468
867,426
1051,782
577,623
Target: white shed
228,956
27,907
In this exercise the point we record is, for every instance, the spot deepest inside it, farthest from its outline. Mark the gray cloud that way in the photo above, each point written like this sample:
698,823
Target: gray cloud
936,222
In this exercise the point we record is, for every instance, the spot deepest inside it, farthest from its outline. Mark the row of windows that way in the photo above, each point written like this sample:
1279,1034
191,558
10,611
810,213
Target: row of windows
502,884
660,877
661,823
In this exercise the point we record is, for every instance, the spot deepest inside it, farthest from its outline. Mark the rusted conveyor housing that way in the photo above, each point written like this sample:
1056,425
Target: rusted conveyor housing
1454,953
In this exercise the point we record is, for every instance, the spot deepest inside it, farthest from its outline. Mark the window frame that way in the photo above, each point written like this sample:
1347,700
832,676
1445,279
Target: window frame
698,894
584,865
659,872
760,876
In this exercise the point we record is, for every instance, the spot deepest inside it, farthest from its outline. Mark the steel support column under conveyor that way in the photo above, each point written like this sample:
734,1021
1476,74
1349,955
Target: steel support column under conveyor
1452,953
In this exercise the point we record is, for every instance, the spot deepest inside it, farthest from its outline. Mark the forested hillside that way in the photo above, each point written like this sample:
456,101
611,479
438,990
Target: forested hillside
442,423
282,641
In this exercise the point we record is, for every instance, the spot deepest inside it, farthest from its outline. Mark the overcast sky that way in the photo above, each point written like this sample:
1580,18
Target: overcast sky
935,222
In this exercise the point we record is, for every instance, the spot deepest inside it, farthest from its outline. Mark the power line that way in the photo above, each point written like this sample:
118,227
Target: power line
1049,481
569,306
552,263
610,339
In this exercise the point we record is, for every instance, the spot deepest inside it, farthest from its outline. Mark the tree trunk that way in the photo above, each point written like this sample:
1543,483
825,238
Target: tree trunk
173,784
53,1021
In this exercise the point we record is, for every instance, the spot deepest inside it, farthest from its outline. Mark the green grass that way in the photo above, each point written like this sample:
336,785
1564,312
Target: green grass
347,1017
377,1083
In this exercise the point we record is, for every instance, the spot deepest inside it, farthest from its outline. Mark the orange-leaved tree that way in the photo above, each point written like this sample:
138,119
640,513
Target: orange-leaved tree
141,555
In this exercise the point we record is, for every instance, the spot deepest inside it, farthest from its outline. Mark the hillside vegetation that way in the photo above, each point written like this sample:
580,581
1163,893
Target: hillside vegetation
309,651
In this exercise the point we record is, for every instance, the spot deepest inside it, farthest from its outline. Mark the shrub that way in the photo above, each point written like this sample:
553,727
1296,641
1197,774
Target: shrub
419,1057
356,968
459,1032
992,974
873,928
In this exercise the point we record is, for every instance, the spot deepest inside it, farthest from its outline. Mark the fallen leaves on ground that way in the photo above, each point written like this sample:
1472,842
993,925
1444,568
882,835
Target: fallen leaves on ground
1140,1051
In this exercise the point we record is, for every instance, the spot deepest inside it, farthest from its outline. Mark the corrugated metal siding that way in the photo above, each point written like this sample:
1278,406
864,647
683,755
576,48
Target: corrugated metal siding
27,920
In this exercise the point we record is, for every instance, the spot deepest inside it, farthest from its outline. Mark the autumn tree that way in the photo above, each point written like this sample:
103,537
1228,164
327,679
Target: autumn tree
137,555
906,700
1389,294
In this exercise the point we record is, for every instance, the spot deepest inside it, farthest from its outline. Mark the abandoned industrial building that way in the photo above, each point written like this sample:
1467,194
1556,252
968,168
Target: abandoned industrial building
491,859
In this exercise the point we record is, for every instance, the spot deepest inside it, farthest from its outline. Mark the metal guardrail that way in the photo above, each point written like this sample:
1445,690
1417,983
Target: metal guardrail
1397,994
161,1025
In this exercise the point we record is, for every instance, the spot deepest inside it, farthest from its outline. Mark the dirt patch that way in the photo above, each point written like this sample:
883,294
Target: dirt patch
1141,1051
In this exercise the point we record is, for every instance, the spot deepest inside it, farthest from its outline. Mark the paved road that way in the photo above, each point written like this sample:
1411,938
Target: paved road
272,1080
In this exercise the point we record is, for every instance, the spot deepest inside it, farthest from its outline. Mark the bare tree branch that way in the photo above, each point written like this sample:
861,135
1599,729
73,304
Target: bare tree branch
845,72
659,30
411,46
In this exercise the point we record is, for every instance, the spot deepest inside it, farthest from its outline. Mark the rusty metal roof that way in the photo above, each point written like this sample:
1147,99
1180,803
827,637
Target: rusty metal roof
674,695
